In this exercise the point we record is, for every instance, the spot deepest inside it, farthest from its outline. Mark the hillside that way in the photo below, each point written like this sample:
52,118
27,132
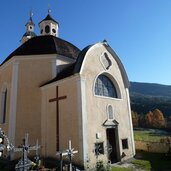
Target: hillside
147,96
151,89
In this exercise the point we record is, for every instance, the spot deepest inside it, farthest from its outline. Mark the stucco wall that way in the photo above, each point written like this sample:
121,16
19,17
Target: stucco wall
69,118
96,105
5,82
32,73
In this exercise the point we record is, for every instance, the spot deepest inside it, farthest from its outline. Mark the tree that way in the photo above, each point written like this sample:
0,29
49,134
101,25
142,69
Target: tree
148,119
158,119
142,121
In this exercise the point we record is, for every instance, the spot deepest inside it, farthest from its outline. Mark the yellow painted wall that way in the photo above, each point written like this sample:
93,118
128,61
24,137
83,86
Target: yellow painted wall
5,80
70,128
33,72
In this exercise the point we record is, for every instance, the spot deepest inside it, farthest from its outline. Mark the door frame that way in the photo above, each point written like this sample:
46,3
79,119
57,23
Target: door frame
118,155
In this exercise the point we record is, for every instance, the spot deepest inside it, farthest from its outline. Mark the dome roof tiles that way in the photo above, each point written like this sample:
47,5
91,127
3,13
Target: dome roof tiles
46,45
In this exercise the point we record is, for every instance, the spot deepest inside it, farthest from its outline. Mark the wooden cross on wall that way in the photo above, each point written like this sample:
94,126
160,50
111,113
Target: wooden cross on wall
57,99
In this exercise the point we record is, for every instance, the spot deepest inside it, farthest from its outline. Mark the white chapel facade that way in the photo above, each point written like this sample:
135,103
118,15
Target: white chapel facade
56,92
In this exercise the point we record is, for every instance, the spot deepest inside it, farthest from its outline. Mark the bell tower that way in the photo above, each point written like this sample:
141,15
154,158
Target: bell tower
29,30
49,26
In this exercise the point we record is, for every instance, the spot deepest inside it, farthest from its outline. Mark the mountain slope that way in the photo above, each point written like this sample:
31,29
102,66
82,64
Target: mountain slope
147,96
151,89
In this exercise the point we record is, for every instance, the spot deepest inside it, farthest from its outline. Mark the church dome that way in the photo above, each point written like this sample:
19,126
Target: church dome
46,45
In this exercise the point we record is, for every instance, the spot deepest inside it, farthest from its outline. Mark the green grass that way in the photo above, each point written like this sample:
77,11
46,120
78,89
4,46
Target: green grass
157,161
137,164
147,161
147,135
122,169
142,164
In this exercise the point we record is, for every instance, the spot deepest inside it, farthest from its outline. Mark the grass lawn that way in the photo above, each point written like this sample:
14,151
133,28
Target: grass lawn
142,164
122,169
147,161
148,135
158,161
134,165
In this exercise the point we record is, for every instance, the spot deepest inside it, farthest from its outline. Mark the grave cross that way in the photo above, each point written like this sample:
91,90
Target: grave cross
61,154
70,153
24,164
57,99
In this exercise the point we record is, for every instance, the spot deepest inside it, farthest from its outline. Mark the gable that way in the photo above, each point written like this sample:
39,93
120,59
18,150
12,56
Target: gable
95,51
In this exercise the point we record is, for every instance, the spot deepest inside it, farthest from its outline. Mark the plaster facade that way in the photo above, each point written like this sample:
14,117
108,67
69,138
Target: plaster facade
83,113
48,77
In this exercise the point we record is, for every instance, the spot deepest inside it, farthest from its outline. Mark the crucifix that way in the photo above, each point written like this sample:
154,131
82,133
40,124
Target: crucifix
57,99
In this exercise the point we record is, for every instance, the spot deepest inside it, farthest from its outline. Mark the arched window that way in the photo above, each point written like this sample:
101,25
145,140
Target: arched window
47,29
105,87
3,106
110,112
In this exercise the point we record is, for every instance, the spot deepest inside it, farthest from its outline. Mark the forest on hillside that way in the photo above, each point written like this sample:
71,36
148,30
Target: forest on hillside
151,105
152,119
144,103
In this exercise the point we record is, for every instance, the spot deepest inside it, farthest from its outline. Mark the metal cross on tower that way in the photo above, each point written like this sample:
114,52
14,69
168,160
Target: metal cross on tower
57,99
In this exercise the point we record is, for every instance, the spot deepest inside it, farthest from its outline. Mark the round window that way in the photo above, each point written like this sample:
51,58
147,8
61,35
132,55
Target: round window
47,29
54,31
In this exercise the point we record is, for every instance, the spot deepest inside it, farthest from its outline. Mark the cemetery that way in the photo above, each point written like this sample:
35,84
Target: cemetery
25,163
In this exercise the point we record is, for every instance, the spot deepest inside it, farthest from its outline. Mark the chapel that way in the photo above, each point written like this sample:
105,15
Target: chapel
55,92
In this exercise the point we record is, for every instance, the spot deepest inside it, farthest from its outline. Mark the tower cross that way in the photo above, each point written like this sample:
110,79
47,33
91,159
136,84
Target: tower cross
57,99
31,14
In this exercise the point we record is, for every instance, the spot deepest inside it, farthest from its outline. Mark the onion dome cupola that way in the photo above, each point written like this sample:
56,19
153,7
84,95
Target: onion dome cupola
49,26
29,30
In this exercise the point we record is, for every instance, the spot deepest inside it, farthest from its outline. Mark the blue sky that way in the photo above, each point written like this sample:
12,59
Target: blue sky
139,31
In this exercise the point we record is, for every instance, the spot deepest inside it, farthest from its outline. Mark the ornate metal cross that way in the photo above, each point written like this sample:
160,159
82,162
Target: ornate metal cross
70,153
24,163
57,99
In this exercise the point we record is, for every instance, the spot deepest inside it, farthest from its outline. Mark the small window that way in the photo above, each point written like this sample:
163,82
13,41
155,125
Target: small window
41,31
3,106
99,148
54,31
110,112
125,143
47,29
107,63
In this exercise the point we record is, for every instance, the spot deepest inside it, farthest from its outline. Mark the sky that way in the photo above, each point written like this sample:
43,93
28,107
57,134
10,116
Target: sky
139,31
